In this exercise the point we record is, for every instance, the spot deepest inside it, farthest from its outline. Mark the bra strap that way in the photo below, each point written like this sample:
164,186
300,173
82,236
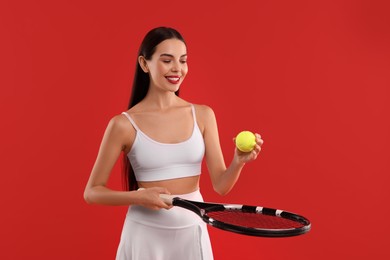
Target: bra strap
193,113
131,120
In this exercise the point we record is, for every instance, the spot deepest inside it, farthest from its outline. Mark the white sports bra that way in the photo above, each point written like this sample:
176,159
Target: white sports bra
155,161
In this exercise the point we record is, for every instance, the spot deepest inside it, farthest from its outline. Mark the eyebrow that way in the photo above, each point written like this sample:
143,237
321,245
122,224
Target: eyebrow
170,55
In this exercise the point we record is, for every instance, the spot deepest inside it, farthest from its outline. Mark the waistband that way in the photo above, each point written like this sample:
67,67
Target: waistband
174,218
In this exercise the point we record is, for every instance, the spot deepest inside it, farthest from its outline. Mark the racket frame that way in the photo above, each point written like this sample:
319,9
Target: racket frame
203,208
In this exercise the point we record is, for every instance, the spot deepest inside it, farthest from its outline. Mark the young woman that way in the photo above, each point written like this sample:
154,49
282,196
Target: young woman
164,139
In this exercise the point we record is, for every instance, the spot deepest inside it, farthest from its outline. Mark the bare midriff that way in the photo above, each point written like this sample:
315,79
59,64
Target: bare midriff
175,186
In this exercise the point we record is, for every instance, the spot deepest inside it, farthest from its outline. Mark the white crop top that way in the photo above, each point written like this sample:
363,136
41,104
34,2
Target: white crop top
155,161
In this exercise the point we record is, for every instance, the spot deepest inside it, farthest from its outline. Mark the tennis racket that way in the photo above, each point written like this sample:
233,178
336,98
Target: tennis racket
243,219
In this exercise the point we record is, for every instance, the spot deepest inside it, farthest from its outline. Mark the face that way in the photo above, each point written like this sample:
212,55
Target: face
168,66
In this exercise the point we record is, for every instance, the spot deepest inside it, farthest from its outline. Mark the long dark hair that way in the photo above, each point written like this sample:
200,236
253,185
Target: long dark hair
141,86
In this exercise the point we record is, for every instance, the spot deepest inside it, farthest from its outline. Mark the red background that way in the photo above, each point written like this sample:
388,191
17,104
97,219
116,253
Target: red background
311,76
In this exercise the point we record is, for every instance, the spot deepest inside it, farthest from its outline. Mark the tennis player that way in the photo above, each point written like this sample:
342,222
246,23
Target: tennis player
164,140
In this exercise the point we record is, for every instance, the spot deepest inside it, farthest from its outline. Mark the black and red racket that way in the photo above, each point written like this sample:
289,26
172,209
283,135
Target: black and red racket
243,219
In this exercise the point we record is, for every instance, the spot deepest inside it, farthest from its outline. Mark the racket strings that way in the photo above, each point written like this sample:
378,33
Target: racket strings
253,220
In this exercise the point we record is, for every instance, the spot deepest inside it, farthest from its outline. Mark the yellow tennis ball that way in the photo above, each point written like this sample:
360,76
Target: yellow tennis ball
245,141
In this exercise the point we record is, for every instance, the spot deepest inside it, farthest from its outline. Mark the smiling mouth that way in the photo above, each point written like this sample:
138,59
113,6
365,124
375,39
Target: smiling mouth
173,79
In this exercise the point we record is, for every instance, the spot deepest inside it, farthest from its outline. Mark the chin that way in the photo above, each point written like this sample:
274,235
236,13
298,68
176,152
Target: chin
174,89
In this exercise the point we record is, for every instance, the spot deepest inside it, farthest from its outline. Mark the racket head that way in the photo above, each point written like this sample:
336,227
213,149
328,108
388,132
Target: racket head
248,220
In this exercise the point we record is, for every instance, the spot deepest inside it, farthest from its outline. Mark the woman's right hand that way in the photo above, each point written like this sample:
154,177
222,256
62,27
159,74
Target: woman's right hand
150,198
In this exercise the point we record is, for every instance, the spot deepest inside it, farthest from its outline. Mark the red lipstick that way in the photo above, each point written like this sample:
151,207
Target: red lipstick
173,79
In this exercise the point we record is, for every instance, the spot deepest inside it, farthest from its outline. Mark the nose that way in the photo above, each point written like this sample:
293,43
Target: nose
175,66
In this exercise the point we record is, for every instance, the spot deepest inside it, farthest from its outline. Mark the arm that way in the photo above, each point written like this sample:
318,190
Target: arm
115,140
223,178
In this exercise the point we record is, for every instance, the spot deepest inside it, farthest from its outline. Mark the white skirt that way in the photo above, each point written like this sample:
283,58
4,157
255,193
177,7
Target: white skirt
174,234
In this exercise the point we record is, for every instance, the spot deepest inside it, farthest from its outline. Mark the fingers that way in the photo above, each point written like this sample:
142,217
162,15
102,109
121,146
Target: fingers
164,205
152,198
165,198
259,141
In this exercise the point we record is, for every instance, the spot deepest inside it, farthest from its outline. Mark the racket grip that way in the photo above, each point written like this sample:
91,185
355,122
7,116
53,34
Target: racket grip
164,197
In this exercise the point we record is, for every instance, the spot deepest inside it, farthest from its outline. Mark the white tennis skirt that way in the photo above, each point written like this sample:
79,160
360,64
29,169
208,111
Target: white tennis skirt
174,234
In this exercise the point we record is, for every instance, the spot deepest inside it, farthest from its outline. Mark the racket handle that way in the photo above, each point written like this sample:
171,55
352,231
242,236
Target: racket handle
164,197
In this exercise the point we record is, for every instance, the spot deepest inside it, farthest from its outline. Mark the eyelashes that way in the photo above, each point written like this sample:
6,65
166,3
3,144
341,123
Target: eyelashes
169,61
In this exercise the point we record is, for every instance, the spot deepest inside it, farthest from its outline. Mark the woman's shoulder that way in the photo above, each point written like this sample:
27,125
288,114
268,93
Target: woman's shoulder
203,110
204,115
119,123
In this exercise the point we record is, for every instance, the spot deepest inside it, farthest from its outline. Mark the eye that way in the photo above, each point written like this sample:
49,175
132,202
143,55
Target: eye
183,61
166,61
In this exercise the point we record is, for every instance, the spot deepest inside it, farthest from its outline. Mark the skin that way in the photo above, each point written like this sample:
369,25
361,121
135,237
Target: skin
157,116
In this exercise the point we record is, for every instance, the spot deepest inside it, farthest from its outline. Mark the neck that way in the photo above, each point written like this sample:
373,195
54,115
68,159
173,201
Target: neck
160,100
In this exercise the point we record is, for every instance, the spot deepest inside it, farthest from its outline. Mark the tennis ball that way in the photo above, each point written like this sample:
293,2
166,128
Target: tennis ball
245,141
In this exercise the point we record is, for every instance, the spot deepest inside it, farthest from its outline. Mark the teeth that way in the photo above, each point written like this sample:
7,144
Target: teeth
173,78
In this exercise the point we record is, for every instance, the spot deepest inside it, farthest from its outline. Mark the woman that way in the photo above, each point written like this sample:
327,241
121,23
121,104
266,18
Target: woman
165,139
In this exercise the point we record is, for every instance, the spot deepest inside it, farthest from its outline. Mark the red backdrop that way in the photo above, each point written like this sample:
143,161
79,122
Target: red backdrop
311,76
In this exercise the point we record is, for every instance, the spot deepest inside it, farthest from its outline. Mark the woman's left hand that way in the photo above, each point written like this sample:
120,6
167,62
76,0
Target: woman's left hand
249,156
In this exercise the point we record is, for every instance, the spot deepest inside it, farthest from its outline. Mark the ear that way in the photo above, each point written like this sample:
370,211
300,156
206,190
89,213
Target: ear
143,64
